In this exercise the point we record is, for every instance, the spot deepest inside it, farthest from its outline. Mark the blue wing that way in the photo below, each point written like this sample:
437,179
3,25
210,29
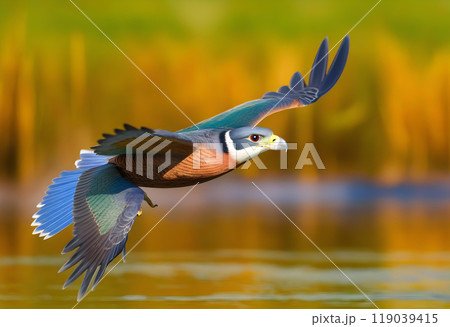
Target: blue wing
297,94
55,209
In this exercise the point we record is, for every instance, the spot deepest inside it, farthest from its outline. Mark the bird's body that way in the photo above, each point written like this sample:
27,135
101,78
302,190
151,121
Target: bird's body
187,164
102,197
179,173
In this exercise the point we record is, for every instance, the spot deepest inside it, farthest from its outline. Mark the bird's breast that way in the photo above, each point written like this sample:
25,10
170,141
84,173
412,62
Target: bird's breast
172,169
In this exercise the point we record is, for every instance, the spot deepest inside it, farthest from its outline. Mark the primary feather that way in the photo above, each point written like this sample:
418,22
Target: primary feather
105,207
55,209
297,94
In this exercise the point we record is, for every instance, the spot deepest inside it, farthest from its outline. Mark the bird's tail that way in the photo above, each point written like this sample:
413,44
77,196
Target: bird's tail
56,208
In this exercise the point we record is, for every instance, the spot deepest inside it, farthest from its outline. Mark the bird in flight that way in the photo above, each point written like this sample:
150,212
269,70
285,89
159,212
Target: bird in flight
102,197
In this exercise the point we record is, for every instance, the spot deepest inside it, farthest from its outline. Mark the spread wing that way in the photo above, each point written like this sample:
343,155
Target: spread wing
105,207
297,94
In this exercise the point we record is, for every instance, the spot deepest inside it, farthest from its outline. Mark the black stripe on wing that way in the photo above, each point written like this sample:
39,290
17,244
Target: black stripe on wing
320,82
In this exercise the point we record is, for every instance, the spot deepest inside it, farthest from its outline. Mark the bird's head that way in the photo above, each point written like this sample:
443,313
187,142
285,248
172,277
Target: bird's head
245,143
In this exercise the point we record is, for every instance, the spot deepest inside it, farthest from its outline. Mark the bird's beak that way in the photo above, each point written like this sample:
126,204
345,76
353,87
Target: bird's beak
276,143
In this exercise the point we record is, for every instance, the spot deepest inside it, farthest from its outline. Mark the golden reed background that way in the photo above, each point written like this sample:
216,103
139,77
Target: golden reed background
62,83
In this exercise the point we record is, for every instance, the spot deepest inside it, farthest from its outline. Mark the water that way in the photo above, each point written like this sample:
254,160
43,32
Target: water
207,254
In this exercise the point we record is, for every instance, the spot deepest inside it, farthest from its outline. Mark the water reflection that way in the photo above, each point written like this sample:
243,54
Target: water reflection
209,254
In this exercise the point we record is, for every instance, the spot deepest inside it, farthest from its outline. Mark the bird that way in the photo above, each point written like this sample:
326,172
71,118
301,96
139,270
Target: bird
102,197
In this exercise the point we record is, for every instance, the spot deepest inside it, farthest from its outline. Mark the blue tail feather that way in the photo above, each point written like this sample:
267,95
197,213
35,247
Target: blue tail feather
56,207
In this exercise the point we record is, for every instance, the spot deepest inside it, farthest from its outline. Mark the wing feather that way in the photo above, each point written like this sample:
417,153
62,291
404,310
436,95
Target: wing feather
116,144
297,94
105,207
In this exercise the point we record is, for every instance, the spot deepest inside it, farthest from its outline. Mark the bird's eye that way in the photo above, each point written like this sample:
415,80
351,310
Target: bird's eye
254,137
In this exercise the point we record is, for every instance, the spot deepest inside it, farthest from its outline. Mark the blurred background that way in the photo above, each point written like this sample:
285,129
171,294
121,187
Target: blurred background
380,210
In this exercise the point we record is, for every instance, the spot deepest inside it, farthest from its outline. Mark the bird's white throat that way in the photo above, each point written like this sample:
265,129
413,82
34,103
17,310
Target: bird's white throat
244,154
